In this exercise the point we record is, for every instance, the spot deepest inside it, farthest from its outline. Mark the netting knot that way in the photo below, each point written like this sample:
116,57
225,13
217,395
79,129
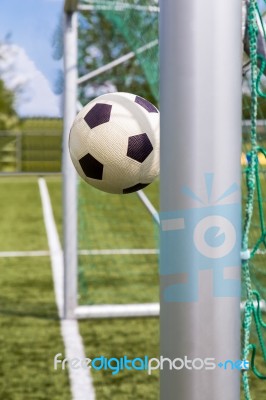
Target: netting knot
245,255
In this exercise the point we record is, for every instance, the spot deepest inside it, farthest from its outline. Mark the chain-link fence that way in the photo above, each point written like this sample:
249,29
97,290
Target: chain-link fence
36,149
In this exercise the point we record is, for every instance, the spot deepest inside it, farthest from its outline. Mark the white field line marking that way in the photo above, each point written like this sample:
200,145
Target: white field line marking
80,379
37,253
149,206
93,252
102,252
108,252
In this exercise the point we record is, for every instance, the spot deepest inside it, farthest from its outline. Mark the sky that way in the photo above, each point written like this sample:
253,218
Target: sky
262,5
30,25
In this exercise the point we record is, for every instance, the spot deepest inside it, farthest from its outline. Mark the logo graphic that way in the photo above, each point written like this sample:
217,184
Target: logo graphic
145,363
215,236
201,238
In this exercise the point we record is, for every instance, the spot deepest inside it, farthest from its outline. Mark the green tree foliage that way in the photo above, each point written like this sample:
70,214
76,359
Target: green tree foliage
8,116
106,36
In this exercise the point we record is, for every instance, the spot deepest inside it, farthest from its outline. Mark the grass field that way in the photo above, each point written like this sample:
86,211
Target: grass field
30,333
116,222
30,329
118,280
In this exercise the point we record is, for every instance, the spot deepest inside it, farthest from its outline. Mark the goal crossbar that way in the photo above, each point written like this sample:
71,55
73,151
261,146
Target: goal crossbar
131,310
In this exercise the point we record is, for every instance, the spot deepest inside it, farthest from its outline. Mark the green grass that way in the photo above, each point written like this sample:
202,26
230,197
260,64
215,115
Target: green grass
22,225
28,317
30,332
106,279
111,222
113,279
116,222
54,185
116,338
257,386
119,279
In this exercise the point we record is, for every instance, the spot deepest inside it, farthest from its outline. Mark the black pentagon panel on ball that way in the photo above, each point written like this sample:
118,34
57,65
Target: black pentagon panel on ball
139,147
146,104
135,188
98,115
91,167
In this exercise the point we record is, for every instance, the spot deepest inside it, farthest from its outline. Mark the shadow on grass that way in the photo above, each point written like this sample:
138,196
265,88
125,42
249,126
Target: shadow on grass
39,313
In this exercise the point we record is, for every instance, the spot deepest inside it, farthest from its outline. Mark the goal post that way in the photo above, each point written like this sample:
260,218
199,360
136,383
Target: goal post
70,231
69,172
200,105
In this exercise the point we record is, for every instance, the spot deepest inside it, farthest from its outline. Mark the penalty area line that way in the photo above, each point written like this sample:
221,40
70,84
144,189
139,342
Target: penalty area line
33,253
109,252
80,379
93,252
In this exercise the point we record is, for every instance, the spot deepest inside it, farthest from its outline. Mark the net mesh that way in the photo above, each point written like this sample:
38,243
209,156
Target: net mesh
118,257
134,29
118,240
254,233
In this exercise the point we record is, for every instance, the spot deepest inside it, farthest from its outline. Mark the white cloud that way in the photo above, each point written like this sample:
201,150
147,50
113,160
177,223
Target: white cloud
18,70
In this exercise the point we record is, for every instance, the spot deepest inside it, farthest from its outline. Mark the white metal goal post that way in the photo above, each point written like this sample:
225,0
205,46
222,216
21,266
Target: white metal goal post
71,307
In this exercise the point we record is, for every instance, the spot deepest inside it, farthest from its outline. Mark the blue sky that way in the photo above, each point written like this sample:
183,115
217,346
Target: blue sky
262,5
31,24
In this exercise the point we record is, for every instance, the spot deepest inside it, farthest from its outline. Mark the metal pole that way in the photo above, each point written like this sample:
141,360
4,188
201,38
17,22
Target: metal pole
116,62
200,102
69,173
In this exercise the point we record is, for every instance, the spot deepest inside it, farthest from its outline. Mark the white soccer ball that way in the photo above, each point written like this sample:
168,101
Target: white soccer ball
114,143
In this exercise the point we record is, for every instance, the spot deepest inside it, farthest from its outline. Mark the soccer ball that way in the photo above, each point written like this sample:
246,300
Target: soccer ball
114,143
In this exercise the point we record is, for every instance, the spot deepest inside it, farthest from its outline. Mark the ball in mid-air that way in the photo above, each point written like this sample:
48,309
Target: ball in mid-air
114,143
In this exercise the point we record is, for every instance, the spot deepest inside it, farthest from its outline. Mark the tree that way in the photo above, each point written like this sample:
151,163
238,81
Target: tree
8,116
104,36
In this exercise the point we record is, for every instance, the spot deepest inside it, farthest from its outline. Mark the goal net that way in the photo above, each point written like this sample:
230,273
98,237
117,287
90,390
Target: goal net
254,192
117,235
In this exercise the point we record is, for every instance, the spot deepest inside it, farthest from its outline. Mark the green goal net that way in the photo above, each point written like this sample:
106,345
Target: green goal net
118,239
254,196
